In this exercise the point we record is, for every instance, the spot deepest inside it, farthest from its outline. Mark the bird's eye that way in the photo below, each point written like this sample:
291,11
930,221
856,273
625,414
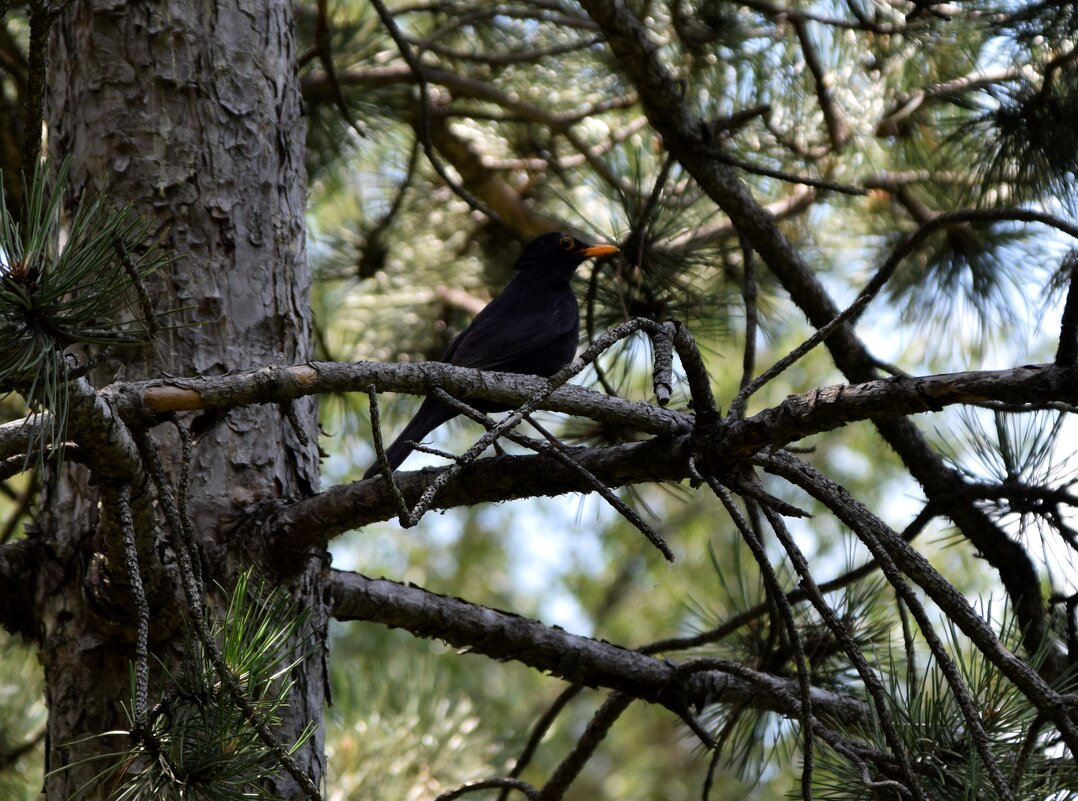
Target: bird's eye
566,242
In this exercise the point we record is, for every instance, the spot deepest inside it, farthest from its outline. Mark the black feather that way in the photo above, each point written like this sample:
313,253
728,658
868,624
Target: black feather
532,327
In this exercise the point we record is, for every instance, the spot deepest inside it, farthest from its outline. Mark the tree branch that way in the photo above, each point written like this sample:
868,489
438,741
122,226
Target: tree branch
315,520
837,130
578,660
312,522
318,519
109,451
638,56
909,104
145,400
887,544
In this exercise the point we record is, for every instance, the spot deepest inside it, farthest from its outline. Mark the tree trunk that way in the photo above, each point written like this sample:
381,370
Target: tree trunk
191,112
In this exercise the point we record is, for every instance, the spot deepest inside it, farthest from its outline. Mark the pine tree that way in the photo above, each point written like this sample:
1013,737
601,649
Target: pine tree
831,375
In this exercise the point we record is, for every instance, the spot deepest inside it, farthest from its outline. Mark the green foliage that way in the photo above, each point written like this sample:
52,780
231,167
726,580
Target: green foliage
62,285
937,739
401,728
1042,25
549,120
1030,135
751,738
22,721
961,273
352,36
201,745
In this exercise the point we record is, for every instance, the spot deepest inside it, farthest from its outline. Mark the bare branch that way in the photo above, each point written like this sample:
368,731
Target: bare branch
42,15
143,401
506,784
540,729
909,104
824,409
929,226
872,682
778,597
555,449
424,112
576,659
837,130
585,747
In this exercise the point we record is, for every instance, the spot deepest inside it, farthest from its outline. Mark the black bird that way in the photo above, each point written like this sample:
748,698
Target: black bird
531,328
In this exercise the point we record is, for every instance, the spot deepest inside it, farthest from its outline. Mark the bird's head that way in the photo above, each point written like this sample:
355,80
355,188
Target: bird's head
559,252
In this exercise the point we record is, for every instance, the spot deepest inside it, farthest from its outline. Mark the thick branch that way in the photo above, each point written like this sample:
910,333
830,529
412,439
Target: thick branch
144,400
109,451
316,520
107,448
579,660
796,417
488,185
831,407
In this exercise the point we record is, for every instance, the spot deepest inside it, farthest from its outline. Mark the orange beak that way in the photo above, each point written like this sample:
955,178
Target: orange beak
597,250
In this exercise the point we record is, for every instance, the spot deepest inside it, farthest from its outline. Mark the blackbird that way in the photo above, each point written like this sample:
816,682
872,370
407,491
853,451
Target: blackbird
531,328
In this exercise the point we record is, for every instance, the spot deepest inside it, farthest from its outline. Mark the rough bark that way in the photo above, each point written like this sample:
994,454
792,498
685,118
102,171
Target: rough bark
192,113
580,660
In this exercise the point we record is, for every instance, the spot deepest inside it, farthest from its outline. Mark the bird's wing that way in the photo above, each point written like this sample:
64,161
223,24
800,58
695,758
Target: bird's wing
512,326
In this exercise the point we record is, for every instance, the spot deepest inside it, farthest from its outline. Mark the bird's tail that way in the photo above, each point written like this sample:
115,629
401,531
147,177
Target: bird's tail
430,415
